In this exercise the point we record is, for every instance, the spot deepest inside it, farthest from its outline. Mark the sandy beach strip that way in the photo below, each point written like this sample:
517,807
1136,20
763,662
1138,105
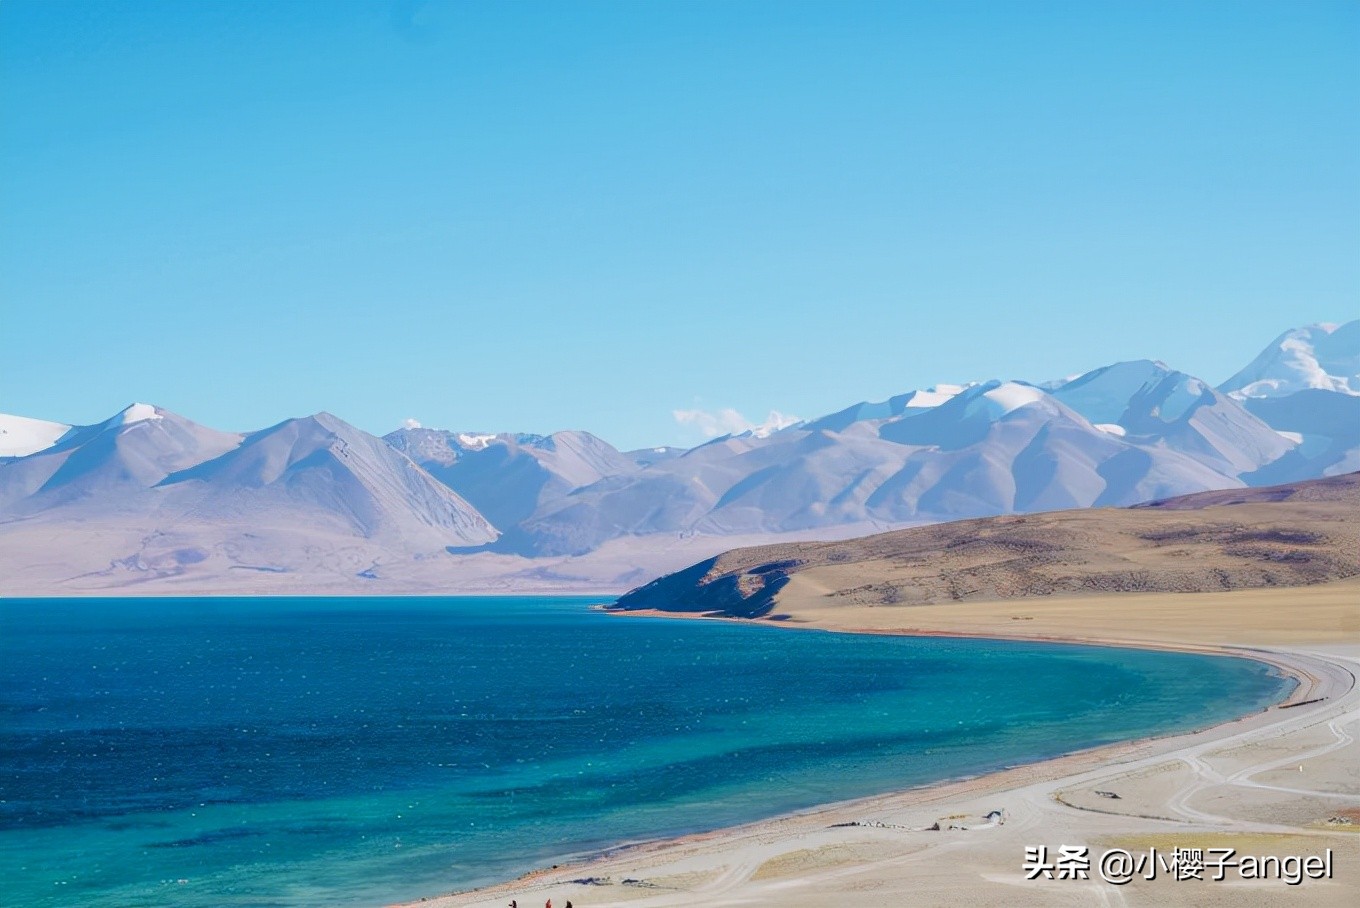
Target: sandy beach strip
1282,782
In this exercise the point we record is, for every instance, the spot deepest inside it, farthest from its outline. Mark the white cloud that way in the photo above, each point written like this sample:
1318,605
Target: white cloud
730,421
412,424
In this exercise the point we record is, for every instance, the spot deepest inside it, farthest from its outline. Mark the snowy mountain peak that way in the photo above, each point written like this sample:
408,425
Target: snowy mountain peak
1322,356
776,422
1178,393
910,403
21,436
323,469
135,413
934,395
473,441
994,399
1009,396
1103,395
422,498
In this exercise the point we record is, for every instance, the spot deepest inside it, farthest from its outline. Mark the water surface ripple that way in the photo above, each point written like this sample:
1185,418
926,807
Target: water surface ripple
287,752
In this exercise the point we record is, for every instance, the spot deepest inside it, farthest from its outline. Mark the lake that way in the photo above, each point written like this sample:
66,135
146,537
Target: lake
288,752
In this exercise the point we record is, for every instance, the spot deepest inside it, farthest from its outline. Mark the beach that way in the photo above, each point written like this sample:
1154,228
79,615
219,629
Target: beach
1280,783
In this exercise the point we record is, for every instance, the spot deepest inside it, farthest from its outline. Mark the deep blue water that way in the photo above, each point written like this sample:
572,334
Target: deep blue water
354,752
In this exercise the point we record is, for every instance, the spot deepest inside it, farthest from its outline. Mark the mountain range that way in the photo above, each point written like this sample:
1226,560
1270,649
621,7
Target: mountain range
150,500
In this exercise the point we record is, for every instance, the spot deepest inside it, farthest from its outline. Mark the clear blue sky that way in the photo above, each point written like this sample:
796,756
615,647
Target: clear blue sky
588,215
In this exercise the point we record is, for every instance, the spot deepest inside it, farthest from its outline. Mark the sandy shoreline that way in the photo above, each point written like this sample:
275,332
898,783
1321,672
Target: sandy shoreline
1264,784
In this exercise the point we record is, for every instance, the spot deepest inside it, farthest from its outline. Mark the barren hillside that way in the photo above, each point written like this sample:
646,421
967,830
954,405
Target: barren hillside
1290,535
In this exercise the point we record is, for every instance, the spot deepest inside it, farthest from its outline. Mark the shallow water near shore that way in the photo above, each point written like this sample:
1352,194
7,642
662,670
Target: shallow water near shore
287,752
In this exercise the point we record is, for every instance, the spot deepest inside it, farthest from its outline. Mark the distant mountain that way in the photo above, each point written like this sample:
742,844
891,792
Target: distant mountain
21,436
1155,406
997,447
315,503
109,464
510,477
320,468
901,405
1326,426
646,457
1006,447
1324,357
150,496
1306,386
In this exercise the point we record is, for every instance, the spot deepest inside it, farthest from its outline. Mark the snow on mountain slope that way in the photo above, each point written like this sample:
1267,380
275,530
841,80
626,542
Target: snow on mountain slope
1326,425
149,497
154,496
1004,447
965,418
645,457
135,413
1103,395
892,407
509,477
1306,386
21,436
1153,404
993,448
1323,356
107,464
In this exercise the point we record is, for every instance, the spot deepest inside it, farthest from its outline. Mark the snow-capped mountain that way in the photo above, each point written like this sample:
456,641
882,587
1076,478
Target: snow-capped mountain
109,464
508,477
320,468
21,436
997,447
646,457
1326,427
901,405
316,503
1306,386
1324,356
150,496
1151,404
1008,446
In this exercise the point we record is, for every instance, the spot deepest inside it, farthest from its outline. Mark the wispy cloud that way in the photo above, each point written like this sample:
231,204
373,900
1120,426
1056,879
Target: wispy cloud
730,421
412,424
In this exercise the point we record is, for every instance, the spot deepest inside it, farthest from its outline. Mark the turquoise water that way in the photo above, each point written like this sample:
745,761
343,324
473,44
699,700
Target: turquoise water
356,752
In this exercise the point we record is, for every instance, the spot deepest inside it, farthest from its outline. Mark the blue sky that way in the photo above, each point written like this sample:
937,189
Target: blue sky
590,215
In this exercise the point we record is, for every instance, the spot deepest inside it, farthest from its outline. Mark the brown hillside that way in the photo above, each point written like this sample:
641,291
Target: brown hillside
1293,535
